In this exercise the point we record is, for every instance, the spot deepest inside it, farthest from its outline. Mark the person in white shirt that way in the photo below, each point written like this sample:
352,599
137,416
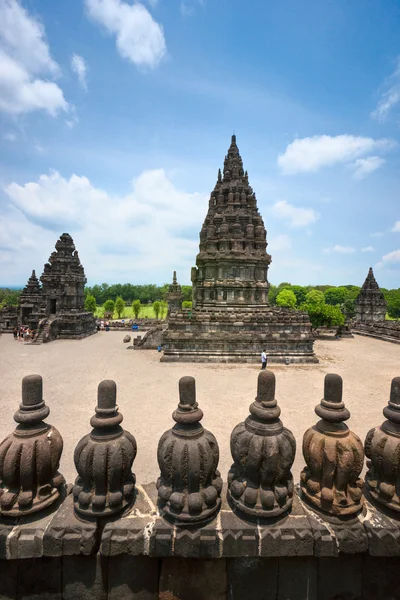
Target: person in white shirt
263,360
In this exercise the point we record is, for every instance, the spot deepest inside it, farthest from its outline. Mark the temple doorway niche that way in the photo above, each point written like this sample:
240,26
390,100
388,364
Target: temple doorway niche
26,312
53,306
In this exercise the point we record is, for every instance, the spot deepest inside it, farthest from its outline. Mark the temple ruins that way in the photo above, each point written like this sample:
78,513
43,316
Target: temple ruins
370,304
231,320
56,309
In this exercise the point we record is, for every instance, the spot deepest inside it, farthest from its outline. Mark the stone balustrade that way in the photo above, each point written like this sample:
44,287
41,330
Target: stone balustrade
252,533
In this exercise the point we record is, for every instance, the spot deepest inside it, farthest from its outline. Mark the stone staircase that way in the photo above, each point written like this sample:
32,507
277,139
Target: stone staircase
43,332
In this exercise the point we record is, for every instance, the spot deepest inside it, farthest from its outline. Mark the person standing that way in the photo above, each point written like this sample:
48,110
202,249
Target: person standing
263,359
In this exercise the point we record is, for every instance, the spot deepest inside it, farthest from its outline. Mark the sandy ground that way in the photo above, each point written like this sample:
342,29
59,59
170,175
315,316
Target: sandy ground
148,390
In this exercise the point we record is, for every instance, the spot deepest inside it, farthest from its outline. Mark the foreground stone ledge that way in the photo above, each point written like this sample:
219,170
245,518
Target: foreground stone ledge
142,531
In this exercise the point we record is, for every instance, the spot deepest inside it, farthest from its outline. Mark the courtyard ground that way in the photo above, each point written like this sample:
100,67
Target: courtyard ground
148,390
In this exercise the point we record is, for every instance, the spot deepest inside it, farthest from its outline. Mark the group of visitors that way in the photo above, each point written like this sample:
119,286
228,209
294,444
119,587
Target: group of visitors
23,333
103,325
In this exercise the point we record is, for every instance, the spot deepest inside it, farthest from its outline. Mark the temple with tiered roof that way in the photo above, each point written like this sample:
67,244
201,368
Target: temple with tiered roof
231,320
370,304
56,309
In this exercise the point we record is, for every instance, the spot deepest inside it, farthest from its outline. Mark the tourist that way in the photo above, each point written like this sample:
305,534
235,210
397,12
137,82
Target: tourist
101,325
15,332
263,359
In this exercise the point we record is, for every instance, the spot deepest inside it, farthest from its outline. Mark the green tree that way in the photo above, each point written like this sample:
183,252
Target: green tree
109,306
272,294
136,307
300,292
286,298
324,315
119,306
315,298
335,295
187,293
348,308
393,303
90,304
157,308
186,304
163,309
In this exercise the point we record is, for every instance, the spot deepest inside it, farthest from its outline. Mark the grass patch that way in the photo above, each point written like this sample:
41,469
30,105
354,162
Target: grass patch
146,312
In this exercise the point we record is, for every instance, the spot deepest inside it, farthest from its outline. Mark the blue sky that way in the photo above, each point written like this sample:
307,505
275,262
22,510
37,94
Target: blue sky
115,117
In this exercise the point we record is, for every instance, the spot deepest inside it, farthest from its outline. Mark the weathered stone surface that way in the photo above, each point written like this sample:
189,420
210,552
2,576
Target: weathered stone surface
239,537
189,487
67,535
30,456
105,484
260,483
191,579
85,577
370,304
383,532
39,578
340,578
298,578
230,320
26,538
382,447
133,578
287,536
380,579
127,339
334,456
8,579
252,578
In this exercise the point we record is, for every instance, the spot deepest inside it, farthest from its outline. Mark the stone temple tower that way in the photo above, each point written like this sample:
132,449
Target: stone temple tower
231,320
370,304
232,265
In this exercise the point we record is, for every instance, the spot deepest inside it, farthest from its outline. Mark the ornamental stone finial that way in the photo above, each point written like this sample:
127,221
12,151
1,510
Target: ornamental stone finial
105,484
189,486
260,484
30,456
382,447
334,456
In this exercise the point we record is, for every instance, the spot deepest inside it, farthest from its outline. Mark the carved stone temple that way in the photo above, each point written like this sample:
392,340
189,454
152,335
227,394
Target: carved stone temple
370,304
231,320
56,309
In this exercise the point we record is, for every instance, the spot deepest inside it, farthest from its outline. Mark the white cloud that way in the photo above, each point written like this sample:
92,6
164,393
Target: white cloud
296,217
368,249
364,166
24,56
390,258
390,97
10,137
312,153
78,66
153,229
278,243
396,227
337,249
140,38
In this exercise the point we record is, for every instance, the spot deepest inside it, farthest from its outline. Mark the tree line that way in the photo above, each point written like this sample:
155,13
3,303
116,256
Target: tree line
128,292
326,305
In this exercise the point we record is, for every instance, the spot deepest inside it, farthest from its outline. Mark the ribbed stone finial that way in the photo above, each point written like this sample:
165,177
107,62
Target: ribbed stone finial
260,483
103,459
30,456
334,456
382,447
189,486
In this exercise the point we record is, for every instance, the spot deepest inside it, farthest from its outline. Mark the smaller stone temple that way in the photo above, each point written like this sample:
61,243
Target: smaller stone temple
56,308
174,296
370,304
